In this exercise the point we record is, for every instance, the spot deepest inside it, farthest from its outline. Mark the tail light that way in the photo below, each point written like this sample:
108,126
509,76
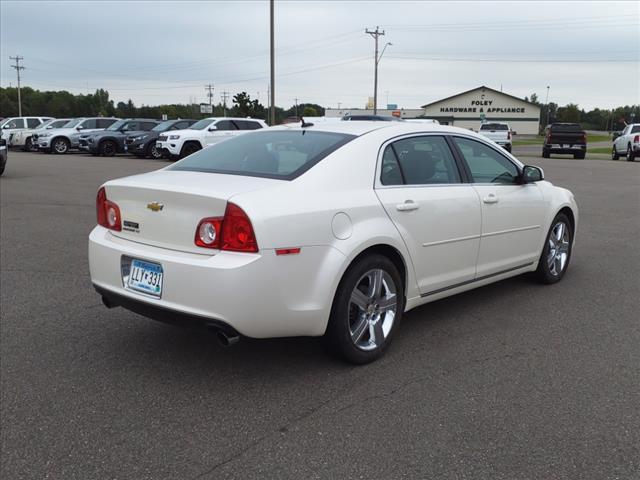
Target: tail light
233,232
636,139
108,212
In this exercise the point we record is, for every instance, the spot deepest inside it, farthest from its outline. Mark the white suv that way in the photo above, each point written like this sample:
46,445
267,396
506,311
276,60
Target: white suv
180,143
61,140
9,126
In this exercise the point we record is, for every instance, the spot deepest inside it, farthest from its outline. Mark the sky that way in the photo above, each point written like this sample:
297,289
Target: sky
157,52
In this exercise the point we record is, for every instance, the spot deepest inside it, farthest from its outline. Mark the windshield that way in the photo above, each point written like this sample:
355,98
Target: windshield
73,123
202,124
116,126
494,126
55,123
276,154
164,126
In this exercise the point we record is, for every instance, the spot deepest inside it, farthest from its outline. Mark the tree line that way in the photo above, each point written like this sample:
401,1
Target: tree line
597,119
62,104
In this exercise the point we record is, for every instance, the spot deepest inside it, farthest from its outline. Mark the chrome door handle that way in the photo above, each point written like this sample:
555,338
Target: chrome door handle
491,198
407,206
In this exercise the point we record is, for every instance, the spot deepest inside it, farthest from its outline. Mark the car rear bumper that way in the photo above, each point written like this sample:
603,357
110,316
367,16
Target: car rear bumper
559,148
257,295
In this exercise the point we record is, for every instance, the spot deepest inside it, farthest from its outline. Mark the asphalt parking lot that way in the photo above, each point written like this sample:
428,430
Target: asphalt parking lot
511,381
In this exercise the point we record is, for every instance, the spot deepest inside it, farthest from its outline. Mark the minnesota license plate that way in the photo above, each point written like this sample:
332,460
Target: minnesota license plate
145,277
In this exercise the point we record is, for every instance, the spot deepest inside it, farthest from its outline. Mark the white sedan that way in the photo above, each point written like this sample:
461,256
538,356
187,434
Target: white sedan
332,229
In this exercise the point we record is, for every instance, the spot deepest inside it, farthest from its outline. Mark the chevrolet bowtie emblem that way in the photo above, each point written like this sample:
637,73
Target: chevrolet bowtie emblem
155,206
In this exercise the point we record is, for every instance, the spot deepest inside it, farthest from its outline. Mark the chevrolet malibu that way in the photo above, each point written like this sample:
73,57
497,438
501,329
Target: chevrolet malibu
331,230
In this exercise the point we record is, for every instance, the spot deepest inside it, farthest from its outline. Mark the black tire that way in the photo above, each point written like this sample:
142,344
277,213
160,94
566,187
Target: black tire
614,153
545,273
60,146
189,148
579,156
27,145
346,315
152,151
2,169
108,148
631,156
545,153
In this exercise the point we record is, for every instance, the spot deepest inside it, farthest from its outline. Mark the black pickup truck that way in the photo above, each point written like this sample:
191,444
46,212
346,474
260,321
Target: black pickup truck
568,138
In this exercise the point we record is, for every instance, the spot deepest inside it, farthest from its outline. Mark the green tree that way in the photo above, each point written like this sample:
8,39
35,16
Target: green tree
309,112
569,113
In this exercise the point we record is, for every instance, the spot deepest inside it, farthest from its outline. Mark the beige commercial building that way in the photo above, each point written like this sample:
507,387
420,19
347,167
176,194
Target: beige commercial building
468,109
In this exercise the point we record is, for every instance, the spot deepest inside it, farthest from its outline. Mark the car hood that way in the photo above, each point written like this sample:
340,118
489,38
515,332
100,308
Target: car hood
186,132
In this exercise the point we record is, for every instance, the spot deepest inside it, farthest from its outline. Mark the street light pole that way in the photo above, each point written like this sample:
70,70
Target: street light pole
547,102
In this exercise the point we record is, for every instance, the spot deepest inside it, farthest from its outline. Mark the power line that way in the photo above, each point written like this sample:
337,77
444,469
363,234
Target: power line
18,67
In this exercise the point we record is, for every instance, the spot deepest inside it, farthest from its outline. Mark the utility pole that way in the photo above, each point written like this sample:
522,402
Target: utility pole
272,107
210,95
18,67
375,34
224,96
296,100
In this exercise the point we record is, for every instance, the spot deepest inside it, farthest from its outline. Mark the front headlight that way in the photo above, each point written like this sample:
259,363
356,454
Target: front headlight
138,138
174,137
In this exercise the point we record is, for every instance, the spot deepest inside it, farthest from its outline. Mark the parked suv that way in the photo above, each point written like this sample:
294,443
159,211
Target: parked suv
627,143
3,155
111,140
499,132
24,138
206,132
144,144
12,125
61,140
565,138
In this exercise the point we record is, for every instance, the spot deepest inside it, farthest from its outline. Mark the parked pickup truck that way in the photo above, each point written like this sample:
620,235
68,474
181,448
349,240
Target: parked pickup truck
566,138
627,143
499,132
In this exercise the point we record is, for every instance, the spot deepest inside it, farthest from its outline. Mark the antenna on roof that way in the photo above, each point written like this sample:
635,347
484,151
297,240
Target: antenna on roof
305,124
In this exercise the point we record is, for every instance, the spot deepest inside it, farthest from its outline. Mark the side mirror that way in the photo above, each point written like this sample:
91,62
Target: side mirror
49,127
513,132
531,174
79,127
616,135
213,128
6,126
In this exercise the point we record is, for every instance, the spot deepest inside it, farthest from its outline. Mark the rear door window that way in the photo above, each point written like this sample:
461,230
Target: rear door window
424,160
33,122
90,123
104,122
147,126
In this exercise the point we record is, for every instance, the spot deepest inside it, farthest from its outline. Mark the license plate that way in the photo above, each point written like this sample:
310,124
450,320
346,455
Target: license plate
145,277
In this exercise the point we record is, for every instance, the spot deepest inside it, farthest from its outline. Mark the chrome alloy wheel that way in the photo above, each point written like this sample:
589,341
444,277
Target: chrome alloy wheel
558,249
60,146
372,309
155,154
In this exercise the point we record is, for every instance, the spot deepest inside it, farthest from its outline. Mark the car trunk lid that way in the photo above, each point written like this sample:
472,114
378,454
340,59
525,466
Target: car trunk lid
163,208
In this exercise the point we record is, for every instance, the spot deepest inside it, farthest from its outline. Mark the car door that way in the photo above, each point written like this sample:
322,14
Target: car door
438,216
512,213
618,143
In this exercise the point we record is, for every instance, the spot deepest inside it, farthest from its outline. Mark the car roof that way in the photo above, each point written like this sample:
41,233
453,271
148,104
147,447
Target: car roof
363,127
234,118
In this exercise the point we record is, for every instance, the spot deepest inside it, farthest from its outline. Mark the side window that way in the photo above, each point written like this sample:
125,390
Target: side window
17,123
33,122
425,160
104,122
146,126
90,123
181,125
226,125
129,126
635,129
391,173
486,164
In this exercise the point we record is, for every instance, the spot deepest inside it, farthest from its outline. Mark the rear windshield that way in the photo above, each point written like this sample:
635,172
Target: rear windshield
277,154
494,126
566,127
